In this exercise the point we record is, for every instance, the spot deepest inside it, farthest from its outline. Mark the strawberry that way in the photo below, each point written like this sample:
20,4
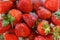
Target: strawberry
30,19
43,13
16,14
5,6
39,38
52,5
43,28
4,27
24,5
22,30
10,37
13,17
56,18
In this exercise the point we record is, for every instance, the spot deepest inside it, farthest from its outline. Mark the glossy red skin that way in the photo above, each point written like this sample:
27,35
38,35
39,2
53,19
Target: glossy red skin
40,28
5,6
10,37
49,37
39,38
24,5
59,3
52,5
55,20
3,28
16,14
36,4
43,13
29,19
22,30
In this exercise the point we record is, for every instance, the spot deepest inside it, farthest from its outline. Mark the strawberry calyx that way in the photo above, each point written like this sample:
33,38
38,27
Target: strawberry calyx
57,14
5,23
46,28
56,33
7,19
10,19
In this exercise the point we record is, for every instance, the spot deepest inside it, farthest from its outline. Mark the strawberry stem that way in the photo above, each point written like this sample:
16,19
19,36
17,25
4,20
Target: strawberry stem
46,27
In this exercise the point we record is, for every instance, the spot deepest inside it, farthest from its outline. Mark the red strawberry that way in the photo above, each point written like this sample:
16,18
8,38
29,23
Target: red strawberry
22,30
5,6
24,5
43,13
39,38
30,19
16,14
51,5
56,18
43,28
10,37
3,27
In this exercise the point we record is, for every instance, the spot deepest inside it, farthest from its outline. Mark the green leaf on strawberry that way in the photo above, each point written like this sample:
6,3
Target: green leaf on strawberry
10,18
5,23
7,19
46,27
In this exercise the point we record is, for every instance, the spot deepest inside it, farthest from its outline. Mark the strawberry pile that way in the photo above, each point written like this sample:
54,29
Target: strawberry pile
30,19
